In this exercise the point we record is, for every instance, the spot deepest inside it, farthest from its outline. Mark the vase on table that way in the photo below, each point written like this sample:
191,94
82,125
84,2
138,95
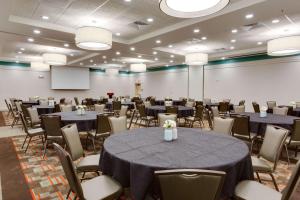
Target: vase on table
168,134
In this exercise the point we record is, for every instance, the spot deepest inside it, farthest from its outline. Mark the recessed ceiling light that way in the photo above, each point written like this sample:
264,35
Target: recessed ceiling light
196,30
45,17
81,63
171,61
22,49
95,64
172,56
104,57
154,52
118,53
249,16
132,49
118,34
204,38
91,61
223,58
127,0
259,43
156,59
30,40
71,55
139,56
234,31
150,20
20,52
275,21
170,46
66,45
233,41
232,47
158,41
36,31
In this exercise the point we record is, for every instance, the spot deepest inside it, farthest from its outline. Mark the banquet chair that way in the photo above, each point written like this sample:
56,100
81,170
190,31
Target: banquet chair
52,126
99,108
116,106
172,109
152,101
271,148
223,125
132,113
271,104
100,187
35,120
101,132
197,118
76,101
62,101
147,104
297,104
242,102
123,111
8,108
239,109
198,103
183,101
12,103
30,133
209,118
89,103
25,112
18,106
84,163
241,129
16,116
182,184
162,117
249,190
118,124
215,111
280,111
223,107
256,107
66,108
143,116
293,140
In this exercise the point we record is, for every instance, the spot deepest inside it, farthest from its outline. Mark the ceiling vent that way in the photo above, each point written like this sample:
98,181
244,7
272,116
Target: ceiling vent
252,26
139,25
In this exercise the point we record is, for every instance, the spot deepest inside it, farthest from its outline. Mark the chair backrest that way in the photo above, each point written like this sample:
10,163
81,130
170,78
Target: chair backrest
273,142
256,107
162,117
295,135
152,101
186,184
99,108
271,104
18,106
103,125
293,183
71,136
12,102
57,108
52,125
199,103
280,111
215,111
147,104
118,124
199,111
62,101
123,111
69,170
239,109
172,109
116,105
25,111
223,106
223,125
24,123
209,118
183,102
242,102
33,114
190,104
241,125
66,108
142,110
76,101
7,104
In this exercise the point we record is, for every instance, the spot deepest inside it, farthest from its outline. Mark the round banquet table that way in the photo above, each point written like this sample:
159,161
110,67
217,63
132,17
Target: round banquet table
162,102
258,124
84,122
182,111
129,104
44,109
132,157
209,105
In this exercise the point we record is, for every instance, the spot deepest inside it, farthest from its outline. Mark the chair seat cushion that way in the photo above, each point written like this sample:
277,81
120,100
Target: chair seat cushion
36,131
101,187
260,165
89,163
252,190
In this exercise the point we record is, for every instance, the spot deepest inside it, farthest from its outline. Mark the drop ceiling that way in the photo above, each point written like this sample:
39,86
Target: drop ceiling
18,19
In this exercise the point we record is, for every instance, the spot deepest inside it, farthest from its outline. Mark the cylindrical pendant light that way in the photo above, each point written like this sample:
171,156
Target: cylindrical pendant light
191,8
284,46
55,59
138,67
39,66
196,59
93,38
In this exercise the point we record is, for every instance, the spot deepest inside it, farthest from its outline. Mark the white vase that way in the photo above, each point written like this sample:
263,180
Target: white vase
263,114
174,134
168,134
78,111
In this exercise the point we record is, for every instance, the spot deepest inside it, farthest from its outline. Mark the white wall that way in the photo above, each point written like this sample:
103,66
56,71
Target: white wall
23,83
275,79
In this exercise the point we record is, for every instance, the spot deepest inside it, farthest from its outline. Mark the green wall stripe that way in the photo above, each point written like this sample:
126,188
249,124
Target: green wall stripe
13,64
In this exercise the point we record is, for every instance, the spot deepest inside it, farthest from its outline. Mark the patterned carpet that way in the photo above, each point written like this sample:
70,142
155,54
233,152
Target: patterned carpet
45,177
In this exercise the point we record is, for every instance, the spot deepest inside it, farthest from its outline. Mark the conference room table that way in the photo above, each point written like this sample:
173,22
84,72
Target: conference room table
258,124
131,157
183,111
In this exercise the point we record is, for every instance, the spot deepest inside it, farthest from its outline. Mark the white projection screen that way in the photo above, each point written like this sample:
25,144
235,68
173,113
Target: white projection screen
70,78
